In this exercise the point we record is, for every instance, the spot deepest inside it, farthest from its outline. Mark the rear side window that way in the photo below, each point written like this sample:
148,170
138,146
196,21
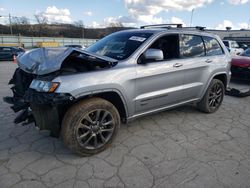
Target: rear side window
212,46
5,49
191,46
226,43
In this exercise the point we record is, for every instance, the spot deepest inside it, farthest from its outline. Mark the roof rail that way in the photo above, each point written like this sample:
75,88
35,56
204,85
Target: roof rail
196,27
168,26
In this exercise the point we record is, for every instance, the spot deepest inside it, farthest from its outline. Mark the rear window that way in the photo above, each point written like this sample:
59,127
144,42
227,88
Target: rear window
212,46
191,46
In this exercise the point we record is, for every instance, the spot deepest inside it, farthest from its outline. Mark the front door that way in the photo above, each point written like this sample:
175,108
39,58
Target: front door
159,83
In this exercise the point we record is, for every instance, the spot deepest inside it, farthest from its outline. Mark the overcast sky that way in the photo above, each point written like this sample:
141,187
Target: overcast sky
99,13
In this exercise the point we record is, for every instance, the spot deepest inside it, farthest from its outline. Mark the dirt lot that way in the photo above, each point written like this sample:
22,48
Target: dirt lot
177,148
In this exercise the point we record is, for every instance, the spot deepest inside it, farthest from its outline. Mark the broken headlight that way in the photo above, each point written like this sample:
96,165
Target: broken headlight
44,86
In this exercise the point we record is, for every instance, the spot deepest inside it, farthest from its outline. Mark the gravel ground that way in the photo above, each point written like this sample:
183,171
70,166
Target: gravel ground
176,148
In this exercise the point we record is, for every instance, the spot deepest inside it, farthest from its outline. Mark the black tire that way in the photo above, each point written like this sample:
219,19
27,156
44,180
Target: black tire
215,92
79,134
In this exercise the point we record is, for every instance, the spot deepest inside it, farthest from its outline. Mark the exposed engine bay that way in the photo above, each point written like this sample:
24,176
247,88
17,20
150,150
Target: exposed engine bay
46,64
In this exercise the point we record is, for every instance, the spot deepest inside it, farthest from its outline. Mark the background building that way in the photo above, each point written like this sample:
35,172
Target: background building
241,36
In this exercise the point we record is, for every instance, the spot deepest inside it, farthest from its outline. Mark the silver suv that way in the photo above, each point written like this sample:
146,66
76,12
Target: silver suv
84,95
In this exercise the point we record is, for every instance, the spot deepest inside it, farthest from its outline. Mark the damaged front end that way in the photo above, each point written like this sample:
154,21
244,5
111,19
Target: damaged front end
34,95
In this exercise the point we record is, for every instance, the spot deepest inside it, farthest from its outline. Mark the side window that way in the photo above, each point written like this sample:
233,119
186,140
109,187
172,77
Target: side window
6,49
212,46
226,43
235,44
169,45
191,46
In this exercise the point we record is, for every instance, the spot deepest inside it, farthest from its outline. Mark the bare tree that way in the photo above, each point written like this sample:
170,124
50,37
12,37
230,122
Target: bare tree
20,20
78,23
41,21
116,24
24,20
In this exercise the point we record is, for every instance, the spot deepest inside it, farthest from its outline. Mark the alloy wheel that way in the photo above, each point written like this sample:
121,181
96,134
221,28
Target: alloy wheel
95,129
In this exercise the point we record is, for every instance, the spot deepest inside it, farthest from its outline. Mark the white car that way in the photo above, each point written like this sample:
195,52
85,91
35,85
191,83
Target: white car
233,47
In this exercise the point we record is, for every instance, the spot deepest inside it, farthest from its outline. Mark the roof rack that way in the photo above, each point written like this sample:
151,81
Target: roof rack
196,27
169,26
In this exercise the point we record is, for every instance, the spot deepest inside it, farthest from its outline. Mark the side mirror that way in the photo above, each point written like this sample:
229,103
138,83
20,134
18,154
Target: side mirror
153,54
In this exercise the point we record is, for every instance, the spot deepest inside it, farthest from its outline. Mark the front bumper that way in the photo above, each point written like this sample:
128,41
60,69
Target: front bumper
39,98
45,109
48,109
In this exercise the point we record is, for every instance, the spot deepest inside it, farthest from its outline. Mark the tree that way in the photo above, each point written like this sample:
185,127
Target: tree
80,25
115,24
24,20
42,21
20,20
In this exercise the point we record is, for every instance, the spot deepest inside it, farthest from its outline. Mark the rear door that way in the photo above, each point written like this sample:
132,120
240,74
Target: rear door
202,55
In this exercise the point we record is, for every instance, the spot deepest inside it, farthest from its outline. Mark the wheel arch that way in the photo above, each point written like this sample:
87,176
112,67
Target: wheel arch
114,97
220,76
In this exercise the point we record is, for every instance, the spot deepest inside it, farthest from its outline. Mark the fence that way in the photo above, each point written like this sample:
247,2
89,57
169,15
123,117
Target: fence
31,42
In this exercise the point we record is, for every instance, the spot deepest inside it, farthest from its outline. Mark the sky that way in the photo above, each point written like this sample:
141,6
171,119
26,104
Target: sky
216,14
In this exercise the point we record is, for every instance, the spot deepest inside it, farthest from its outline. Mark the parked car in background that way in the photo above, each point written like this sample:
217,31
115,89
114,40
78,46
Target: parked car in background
246,53
233,47
85,94
240,67
75,46
7,53
243,46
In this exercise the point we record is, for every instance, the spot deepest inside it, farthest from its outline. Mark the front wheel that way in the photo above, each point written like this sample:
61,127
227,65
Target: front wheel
213,97
90,126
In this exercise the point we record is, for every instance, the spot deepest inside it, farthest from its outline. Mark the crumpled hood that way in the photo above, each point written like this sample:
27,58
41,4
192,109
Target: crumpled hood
42,61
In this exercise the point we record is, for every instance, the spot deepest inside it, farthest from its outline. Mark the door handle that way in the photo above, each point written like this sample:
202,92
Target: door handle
209,61
178,65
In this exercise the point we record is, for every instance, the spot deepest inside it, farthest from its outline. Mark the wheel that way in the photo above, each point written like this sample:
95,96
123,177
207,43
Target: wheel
213,97
90,126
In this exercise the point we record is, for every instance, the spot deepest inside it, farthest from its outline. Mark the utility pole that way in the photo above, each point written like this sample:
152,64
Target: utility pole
191,20
10,25
83,33
83,29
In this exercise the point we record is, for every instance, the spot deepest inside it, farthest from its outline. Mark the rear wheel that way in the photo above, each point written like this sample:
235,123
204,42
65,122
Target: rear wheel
90,126
213,97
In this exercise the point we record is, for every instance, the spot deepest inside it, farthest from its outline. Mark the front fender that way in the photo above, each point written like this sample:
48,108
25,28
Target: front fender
83,92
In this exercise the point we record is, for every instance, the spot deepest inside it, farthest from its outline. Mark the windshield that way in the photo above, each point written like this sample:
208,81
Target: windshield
119,45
